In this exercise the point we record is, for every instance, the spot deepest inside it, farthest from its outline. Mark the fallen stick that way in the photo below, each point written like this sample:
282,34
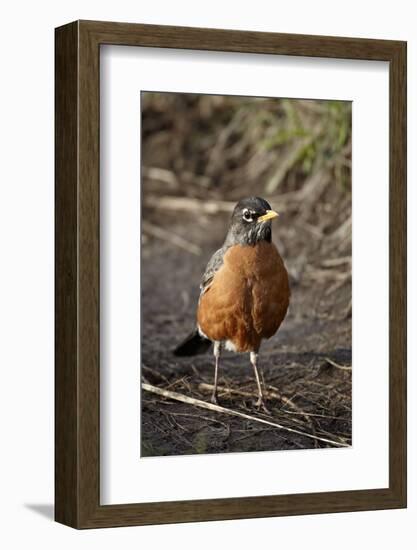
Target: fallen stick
210,406
221,389
189,204
165,235
336,365
211,206
160,174
271,392
336,262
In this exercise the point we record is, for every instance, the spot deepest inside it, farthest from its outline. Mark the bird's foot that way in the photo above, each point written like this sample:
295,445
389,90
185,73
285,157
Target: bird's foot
260,405
214,399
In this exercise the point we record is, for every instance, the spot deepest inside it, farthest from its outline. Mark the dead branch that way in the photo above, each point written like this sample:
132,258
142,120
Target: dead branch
336,262
170,237
160,174
271,392
187,204
336,365
223,390
223,410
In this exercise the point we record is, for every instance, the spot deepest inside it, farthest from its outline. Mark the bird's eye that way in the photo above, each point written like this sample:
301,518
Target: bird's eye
247,215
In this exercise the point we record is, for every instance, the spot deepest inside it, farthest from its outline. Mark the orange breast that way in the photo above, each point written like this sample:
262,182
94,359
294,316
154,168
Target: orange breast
248,298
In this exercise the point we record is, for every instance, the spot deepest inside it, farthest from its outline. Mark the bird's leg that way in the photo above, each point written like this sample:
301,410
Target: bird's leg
216,352
260,402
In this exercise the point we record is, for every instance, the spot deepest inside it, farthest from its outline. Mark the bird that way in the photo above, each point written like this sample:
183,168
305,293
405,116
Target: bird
244,292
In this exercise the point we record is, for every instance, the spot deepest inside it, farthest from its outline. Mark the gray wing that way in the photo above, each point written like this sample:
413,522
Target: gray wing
215,263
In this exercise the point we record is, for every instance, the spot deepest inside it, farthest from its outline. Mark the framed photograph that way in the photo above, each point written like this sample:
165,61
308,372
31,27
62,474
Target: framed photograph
230,274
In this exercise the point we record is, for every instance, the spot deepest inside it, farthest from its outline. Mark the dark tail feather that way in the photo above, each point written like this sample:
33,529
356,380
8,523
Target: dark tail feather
192,345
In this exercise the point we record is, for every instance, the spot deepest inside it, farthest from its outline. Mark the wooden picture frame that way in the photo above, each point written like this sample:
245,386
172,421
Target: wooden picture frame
77,374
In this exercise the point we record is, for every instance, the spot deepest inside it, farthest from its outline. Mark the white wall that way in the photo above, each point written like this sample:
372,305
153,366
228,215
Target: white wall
26,271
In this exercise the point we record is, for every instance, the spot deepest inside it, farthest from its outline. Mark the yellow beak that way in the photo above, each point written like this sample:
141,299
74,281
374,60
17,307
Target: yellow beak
270,214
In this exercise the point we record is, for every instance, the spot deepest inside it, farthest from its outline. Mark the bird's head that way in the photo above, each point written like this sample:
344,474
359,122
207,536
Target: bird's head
250,222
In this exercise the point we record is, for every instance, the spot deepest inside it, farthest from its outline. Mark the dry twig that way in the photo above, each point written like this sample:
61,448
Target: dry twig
176,240
217,408
334,364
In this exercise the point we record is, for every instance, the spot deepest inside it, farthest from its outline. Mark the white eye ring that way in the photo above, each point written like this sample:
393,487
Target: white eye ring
247,215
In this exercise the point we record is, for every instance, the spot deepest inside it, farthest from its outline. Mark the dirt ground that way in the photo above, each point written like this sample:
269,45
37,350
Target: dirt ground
306,365
200,154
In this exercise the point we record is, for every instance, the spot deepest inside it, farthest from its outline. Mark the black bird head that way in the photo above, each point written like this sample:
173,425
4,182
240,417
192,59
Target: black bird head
250,222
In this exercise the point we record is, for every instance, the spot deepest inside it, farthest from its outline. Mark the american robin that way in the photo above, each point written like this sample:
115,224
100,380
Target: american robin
244,292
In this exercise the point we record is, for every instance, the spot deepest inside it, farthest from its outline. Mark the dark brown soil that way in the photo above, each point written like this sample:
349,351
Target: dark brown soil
308,361
199,156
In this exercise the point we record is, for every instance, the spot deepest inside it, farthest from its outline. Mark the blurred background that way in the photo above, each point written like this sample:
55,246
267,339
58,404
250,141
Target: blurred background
200,155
